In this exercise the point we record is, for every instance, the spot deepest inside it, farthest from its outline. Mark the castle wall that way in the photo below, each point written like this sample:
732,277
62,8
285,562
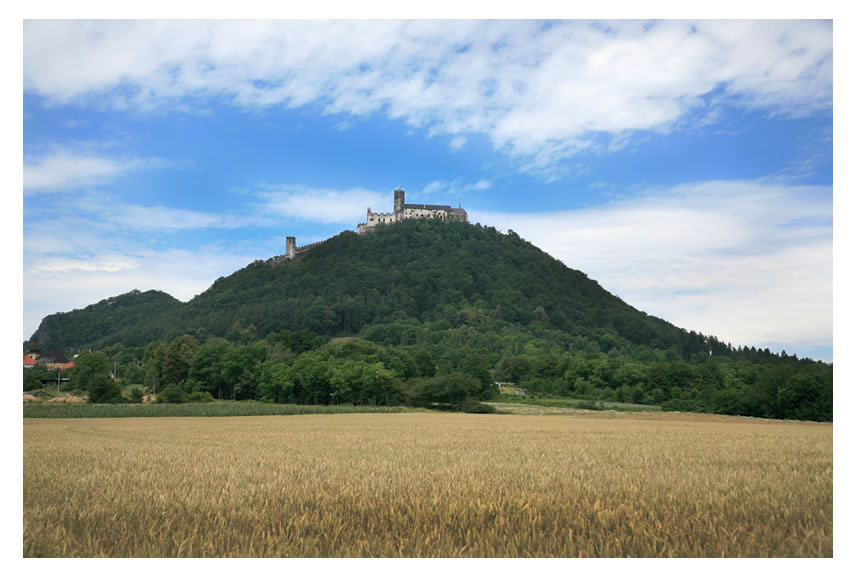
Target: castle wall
424,214
404,211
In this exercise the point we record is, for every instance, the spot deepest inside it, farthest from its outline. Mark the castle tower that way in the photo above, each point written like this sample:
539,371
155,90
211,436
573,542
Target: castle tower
399,199
291,247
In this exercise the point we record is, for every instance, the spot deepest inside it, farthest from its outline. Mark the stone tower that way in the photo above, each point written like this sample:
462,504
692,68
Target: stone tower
399,198
291,247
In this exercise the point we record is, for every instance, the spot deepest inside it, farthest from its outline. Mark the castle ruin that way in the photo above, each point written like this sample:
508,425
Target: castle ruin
409,211
402,211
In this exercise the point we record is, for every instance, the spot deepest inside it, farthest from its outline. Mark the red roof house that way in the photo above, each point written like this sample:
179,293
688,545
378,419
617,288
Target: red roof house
29,362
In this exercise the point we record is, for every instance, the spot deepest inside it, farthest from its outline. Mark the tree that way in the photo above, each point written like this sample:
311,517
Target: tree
448,390
239,369
207,367
92,374
153,366
805,396
34,376
246,386
275,384
31,381
477,366
177,359
359,382
513,367
310,375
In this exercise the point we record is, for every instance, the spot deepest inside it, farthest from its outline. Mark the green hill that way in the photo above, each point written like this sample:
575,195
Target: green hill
124,315
440,312
387,286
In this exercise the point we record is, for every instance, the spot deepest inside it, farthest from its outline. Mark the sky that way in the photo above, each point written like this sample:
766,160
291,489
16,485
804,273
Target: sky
687,166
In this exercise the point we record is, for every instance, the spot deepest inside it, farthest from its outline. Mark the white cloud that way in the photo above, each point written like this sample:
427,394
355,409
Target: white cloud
63,168
749,262
103,263
94,213
320,205
435,186
457,143
454,186
539,93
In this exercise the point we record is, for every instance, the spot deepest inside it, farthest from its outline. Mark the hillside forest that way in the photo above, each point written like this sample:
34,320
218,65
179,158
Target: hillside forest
420,313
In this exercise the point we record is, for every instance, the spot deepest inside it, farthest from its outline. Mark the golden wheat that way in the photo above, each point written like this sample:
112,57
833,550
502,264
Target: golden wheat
431,485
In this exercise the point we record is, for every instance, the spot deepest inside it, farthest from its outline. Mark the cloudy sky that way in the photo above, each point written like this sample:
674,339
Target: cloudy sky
685,165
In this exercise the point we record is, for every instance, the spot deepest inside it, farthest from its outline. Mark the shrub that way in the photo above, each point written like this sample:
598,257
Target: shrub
102,389
201,397
172,394
135,395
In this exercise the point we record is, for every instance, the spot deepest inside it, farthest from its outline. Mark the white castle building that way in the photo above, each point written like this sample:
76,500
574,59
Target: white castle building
409,211
402,211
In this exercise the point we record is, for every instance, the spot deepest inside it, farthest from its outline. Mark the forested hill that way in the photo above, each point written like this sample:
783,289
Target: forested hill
392,286
438,312
90,326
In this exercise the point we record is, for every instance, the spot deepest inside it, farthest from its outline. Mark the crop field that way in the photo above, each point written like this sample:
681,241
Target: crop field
66,410
428,485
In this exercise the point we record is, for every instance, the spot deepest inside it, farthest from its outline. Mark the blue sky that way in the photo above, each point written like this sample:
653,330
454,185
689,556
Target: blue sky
686,166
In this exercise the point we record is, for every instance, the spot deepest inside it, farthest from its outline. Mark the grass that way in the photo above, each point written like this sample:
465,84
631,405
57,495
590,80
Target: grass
565,403
219,409
428,484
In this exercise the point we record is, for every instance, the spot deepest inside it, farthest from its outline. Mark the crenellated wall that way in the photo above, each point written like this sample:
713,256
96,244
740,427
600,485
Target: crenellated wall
302,249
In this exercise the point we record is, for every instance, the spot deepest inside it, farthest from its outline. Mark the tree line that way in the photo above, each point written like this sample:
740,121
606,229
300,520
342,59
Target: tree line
452,368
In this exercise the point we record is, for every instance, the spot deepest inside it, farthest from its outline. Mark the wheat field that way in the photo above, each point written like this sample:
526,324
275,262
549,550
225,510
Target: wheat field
428,485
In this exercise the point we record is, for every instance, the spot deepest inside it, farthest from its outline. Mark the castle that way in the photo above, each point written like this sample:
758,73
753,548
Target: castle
410,211
402,211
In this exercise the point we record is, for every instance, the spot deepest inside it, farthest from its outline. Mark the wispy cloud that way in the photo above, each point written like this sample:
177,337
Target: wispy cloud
751,262
539,93
458,185
457,143
322,205
63,168
97,212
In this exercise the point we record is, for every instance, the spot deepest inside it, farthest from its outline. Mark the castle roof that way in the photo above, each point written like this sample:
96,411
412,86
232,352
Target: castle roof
424,206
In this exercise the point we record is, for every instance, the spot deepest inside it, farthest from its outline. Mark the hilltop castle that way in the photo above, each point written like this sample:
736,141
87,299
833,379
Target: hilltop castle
402,211
410,211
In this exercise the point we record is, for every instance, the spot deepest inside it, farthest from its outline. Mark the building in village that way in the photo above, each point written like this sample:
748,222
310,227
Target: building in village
52,360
